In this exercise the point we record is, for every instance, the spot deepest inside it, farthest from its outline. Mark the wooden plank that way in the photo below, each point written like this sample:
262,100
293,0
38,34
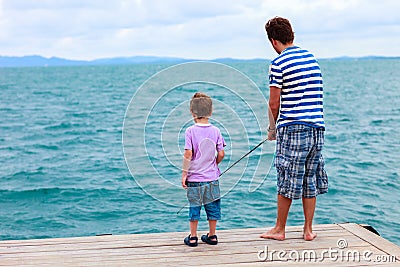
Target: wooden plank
237,247
225,251
373,239
151,238
302,264
167,235
156,239
212,257
177,250
323,242
161,241
339,263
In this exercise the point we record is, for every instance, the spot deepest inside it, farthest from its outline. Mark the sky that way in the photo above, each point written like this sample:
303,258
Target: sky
195,29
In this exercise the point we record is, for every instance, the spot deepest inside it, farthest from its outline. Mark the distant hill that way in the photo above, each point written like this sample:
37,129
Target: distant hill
37,61
31,61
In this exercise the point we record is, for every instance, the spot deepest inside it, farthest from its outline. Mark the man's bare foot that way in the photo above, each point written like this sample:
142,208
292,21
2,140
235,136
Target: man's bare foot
274,234
309,236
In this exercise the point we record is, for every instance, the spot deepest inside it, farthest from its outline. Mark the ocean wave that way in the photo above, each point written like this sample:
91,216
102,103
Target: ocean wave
62,158
64,125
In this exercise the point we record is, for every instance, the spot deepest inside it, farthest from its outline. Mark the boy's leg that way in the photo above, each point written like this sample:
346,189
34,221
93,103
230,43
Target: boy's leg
212,206
212,224
213,211
193,229
194,216
193,195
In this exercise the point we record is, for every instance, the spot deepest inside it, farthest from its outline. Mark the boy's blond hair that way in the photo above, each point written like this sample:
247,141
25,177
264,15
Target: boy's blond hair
201,105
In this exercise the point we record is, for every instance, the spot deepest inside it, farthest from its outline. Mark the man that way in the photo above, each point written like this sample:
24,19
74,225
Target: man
296,108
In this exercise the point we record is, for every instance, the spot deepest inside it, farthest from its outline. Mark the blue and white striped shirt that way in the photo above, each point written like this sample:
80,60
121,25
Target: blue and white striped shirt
297,73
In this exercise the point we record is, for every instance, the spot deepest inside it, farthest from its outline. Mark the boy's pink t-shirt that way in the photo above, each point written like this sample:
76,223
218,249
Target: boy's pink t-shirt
205,140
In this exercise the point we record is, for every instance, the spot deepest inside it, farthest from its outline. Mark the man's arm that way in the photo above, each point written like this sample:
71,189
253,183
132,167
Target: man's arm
187,157
273,110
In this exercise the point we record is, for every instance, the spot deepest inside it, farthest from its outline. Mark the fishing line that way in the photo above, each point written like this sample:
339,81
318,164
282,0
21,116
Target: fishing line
251,190
233,164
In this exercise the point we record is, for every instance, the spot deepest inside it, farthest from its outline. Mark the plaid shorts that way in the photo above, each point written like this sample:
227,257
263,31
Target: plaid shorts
299,162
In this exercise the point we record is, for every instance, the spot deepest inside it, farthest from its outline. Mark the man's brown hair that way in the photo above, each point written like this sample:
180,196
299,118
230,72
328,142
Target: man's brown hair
279,29
201,105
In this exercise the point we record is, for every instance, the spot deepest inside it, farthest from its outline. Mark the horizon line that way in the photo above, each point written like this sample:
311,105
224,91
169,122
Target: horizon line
41,61
182,58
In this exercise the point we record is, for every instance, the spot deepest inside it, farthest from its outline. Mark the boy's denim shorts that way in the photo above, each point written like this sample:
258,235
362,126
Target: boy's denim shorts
207,194
299,162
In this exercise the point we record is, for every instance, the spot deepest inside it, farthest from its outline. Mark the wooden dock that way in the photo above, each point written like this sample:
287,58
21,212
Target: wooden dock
336,245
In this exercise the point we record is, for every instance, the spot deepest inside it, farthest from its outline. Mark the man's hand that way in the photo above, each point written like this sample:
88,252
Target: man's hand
271,134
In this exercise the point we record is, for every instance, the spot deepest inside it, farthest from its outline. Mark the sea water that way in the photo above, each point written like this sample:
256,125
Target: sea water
63,171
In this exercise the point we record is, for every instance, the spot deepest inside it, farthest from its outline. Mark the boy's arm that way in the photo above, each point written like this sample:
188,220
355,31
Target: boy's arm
220,156
187,157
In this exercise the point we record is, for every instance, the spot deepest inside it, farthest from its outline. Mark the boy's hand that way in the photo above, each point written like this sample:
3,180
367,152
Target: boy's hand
184,182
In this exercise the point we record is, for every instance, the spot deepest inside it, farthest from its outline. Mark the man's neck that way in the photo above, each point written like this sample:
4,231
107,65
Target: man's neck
287,46
279,47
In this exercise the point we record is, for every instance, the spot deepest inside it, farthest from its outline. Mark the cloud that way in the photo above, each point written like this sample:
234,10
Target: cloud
193,29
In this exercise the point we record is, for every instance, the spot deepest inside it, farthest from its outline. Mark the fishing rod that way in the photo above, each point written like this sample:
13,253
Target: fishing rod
233,164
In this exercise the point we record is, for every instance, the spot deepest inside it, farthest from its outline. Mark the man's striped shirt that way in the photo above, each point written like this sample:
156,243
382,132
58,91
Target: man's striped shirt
297,73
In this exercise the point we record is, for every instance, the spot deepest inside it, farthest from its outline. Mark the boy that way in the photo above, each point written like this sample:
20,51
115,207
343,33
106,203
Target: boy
204,146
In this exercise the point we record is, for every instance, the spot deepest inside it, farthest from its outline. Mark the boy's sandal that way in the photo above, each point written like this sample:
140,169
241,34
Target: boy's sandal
209,239
188,239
